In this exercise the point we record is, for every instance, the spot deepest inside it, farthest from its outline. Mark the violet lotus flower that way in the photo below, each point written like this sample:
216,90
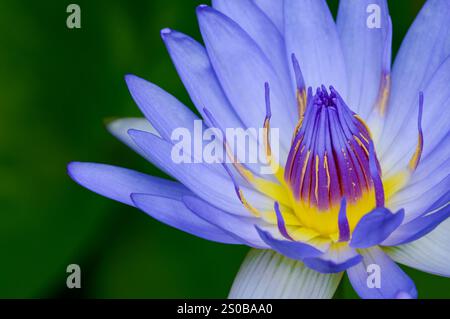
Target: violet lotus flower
362,177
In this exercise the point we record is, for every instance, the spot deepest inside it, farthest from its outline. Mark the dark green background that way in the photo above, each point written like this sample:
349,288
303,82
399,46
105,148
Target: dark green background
57,87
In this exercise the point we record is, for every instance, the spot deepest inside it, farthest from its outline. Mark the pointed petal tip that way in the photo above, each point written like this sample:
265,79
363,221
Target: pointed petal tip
165,32
71,169
169,35
136,199
131,79
134,133
203,8
79,172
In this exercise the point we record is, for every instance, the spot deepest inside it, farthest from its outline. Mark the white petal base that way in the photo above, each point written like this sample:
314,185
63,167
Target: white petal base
266,274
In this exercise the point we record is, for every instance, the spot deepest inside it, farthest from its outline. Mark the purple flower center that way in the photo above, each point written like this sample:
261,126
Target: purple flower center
329,156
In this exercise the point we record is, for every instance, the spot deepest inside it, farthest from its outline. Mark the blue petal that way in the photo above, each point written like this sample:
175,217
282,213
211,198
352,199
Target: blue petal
310,33
375,227
394,282
430,253
434,166
292,249
175,214
338,258
238,227
417,199
274,10
363,50
207,184
422,225
265,34
163,110
242,69
195,70
434,123
197,74
119,128
119,183
422,52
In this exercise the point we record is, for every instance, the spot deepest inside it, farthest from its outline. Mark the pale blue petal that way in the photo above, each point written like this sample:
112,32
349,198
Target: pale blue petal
417,200
175,214
274,10
198,177
239,227
119,183
163,110
119,128
430,253
242,69
363,50
423,224
193,66
394,282
265,34
311,34
196,72
434,123
423,51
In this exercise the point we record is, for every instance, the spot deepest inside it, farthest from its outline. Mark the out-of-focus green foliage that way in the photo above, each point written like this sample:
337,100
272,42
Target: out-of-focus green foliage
57,85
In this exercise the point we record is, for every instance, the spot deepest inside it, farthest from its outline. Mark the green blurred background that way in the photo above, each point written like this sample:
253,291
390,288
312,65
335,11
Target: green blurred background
57,87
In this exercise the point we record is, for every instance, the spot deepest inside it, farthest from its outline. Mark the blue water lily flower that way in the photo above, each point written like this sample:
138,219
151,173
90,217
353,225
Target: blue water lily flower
361,179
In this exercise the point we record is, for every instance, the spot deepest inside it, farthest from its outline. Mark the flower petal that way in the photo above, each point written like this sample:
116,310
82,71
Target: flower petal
434,123
265,34
310,33
266,274
375,227
363,50
394,283
207,184
119,183
240,227
175,214
430,253
119,128
198,76
274,10
422,225
292,249
422,52
163,110
338,258
242,69
417,200
196,72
